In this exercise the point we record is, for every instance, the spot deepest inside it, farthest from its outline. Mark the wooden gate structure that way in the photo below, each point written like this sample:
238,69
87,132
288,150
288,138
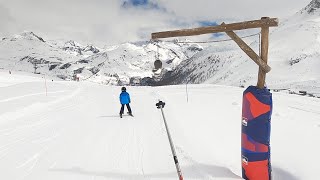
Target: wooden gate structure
257,100
264,24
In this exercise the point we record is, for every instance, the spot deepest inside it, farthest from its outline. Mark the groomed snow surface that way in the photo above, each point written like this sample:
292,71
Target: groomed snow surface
73,132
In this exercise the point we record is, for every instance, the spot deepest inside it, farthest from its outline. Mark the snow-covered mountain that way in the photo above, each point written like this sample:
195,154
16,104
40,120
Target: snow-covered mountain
110,65
293,56
78,49
21,52
312,8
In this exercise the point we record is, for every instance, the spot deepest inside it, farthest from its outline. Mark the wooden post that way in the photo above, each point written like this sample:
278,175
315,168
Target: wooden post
264,66
264,54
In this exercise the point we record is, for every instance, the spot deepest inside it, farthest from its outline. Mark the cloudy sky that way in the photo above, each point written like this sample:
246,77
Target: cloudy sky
104,22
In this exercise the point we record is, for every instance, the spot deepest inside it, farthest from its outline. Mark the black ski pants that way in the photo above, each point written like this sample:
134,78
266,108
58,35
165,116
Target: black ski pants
122,108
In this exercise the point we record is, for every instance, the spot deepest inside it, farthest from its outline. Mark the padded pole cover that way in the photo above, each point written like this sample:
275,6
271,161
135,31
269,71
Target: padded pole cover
255,140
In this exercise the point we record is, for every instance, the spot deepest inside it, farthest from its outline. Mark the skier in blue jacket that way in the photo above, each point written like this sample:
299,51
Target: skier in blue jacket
125,100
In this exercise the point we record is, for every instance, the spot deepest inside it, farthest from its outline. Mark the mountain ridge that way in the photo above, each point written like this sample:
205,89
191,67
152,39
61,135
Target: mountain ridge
27,52
293,57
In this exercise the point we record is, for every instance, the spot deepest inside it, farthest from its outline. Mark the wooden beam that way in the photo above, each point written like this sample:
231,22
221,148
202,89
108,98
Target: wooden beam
264,66
264,55
215,29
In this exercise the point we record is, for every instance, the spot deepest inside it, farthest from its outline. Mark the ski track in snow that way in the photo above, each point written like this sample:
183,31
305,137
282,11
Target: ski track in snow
305,110
26,126
28,95
77,134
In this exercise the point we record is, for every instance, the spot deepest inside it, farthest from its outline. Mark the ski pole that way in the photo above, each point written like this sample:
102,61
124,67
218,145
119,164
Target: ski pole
160,105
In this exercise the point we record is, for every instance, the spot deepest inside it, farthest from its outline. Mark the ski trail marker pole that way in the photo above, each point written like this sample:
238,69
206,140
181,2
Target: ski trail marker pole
45,81
160,105
187,92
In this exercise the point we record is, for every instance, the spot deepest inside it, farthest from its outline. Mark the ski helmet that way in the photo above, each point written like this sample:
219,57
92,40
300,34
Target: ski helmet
123,89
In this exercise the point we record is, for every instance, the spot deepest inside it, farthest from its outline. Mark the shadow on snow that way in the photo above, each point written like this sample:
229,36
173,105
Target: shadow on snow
203,171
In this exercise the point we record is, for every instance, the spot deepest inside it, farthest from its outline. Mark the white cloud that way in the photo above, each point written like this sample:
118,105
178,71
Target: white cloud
105,22
230,9
6,20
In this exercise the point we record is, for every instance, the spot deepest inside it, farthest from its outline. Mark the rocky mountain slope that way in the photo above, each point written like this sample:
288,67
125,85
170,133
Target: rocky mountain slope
293,56
110,65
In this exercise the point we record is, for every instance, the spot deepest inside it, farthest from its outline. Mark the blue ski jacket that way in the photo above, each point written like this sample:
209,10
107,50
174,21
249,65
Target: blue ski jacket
124,98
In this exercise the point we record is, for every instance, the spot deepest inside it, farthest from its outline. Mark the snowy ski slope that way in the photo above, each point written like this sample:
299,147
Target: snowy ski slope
75,133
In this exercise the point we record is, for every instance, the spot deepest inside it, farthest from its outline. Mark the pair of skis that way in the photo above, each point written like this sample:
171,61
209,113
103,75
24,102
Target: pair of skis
130,114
